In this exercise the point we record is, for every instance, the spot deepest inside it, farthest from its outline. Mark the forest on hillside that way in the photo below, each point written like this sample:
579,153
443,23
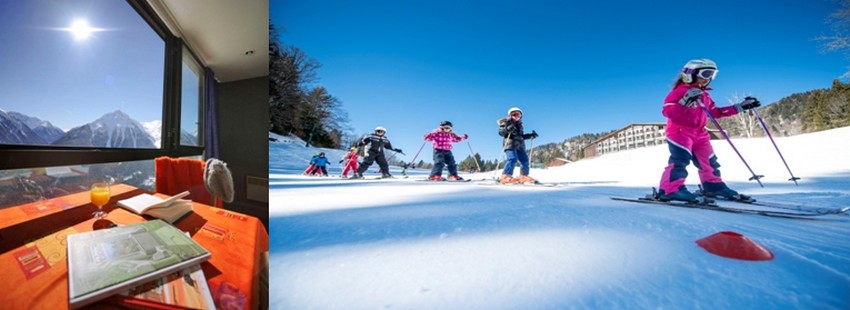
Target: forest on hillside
810,111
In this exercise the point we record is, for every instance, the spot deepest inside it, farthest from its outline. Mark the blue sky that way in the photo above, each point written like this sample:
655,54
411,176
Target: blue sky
573,66
49,74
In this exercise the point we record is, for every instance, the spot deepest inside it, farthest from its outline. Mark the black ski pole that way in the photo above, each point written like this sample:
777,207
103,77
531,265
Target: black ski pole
767,131
717,124
505,147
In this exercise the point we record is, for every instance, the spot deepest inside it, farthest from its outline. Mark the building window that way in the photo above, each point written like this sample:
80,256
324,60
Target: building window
191,101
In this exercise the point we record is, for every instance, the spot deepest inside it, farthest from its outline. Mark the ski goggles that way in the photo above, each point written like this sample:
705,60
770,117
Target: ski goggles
515,113
707,73
446,128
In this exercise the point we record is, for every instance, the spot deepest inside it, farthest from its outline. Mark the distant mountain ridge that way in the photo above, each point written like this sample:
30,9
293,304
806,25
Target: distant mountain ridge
112,130
43,129
14,131
115,129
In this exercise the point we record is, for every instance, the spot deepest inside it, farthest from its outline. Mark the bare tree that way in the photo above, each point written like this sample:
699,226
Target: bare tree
840,40
747,122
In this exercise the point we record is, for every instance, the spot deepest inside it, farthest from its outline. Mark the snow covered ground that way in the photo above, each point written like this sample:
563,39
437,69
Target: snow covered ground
403,244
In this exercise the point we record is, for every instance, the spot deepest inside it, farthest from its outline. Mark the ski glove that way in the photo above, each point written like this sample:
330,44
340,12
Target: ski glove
691,98
747,104
533,134
465,136
399,150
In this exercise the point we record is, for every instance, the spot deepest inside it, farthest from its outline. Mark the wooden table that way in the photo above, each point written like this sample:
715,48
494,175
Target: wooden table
33,252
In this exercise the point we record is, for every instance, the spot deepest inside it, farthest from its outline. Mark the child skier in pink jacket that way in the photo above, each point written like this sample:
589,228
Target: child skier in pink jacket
685,108
442,139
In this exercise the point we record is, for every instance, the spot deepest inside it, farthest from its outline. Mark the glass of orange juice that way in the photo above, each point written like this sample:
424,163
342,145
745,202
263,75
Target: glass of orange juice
99,198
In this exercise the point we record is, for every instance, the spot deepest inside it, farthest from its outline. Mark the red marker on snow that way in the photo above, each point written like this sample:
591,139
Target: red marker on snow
734,245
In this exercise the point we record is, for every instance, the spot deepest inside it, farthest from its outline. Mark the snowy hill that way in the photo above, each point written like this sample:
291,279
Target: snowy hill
344,244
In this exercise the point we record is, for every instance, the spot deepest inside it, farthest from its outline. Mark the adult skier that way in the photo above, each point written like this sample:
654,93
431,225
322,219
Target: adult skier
374,145
687,139
510,128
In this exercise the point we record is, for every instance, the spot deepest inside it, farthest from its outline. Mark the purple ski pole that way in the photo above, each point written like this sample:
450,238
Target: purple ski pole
411,163
713,120
766,131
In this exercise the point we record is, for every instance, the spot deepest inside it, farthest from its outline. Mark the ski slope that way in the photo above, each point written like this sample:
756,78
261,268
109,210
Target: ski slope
403,244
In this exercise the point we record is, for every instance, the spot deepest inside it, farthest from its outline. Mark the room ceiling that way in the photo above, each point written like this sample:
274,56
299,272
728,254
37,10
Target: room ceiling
230,37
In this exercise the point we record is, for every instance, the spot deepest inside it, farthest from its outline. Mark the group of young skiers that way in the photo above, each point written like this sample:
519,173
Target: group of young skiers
687,108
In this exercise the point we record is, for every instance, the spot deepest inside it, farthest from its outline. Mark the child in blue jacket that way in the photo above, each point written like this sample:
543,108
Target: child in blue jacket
320,164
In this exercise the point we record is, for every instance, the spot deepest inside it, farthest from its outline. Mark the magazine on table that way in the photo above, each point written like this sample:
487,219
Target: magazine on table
186,289
169,210
102,263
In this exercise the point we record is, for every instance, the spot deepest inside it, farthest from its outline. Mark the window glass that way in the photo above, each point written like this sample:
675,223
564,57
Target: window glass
190,101
20,186
79,73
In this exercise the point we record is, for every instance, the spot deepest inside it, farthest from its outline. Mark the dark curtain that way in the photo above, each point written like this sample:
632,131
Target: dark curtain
210,115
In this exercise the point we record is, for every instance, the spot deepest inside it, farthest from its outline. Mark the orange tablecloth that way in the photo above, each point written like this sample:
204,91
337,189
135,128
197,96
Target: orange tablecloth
33,253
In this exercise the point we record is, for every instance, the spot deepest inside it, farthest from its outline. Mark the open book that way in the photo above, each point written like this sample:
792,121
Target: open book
169,210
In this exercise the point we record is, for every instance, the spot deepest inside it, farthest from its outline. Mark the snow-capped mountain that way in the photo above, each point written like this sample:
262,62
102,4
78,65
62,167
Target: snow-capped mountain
114,129
188,138
154,128
43,129
14,131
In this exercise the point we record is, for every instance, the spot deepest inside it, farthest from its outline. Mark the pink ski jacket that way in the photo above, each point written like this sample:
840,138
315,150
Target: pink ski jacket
442,140
682,118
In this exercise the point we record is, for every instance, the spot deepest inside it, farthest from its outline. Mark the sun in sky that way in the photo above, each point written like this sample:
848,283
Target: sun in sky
81,30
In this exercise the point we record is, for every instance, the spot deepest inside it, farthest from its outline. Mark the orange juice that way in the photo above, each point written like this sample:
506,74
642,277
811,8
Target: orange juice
99,196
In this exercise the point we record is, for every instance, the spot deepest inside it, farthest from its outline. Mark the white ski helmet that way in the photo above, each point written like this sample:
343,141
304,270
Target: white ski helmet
690,69
514,109
379,128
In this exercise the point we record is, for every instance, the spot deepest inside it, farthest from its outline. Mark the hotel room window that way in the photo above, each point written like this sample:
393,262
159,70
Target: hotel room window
90,90
80,74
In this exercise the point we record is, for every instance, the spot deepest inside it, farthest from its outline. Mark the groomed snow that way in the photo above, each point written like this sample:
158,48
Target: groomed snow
403,244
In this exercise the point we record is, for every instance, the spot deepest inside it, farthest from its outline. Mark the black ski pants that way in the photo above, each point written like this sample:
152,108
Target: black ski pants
371,158
444,158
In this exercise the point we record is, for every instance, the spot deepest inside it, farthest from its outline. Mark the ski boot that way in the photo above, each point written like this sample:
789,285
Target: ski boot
720,190
524,179
681,195
507,179
386,176
357,175
455,178
435,178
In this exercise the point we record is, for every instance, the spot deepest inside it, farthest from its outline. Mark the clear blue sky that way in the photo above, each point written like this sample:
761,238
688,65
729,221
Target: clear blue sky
49,74
573,66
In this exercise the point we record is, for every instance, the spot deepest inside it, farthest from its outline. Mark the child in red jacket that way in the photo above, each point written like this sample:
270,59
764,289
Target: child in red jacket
350,160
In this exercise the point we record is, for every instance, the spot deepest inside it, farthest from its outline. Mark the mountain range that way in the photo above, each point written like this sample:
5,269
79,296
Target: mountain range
115,130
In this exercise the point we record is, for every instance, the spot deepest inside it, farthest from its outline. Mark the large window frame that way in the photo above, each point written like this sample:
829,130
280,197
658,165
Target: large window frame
35,156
